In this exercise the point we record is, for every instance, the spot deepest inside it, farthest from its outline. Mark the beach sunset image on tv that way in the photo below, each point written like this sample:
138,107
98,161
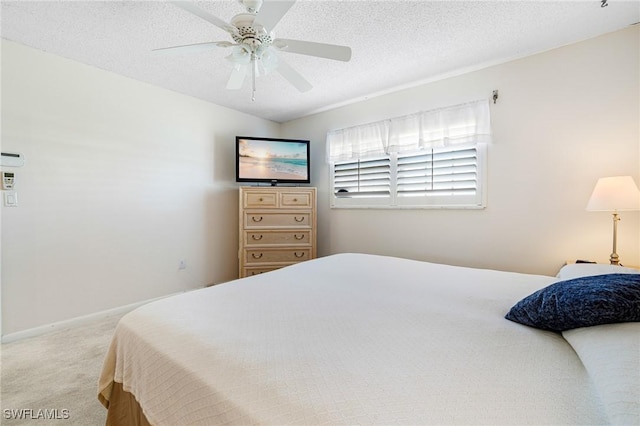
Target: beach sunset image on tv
274,160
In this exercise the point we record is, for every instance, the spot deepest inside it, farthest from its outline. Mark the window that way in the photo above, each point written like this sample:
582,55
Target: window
444,177
433,159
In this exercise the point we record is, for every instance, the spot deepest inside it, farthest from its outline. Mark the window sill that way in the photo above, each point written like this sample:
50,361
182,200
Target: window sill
381,207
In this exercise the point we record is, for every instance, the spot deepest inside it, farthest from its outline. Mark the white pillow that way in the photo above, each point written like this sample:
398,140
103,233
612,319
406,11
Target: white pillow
577,270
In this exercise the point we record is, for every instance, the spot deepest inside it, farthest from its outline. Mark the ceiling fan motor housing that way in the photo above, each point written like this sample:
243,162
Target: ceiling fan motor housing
248,33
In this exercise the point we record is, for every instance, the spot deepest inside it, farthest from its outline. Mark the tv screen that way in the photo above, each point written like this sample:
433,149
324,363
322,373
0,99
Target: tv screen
272,160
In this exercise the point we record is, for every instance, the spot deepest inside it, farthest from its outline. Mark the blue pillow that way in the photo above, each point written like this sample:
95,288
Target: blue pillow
581,302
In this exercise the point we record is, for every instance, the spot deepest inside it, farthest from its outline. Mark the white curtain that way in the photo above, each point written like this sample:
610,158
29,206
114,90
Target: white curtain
468,123
460,124
357,142
404,133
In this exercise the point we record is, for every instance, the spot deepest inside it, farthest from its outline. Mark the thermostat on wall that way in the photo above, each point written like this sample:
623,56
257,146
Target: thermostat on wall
11,159
8,179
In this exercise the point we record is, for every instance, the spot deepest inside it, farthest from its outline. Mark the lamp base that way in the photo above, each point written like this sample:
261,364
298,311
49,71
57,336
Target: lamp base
614,258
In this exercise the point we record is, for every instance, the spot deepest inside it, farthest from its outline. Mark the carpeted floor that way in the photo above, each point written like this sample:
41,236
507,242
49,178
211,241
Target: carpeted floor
55,375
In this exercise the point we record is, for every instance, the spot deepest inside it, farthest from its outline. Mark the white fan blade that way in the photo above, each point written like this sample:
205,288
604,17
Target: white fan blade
293,76
192,48
206,16
322,50
272,12
237,77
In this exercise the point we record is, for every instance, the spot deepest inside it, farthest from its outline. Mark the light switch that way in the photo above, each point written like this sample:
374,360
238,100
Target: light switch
10,199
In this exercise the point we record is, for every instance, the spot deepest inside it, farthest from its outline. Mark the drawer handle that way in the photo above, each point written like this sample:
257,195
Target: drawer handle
299,220
256,273
259,219
295,200
256,237
298,237
256,255
295,253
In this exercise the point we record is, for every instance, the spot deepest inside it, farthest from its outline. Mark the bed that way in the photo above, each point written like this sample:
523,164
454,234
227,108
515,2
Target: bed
366,339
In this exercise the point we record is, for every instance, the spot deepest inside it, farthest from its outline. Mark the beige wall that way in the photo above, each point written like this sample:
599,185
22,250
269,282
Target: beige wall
564,118
122,181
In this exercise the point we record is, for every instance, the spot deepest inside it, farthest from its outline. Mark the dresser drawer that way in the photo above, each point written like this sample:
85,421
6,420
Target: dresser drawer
257,270
267,255
266,219
269,237
258,199
296,199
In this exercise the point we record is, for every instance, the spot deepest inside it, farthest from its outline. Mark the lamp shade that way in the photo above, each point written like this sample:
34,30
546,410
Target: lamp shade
614,194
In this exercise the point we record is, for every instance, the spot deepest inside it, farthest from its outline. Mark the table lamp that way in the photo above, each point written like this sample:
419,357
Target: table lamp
614,194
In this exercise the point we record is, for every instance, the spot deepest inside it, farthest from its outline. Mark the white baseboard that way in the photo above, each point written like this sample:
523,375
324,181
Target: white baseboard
73,322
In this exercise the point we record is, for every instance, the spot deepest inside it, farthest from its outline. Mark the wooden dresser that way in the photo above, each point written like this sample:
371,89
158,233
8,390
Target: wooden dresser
277,227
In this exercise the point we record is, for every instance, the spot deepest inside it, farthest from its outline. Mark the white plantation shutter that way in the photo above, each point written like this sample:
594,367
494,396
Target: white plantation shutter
438,172
363,178
441,177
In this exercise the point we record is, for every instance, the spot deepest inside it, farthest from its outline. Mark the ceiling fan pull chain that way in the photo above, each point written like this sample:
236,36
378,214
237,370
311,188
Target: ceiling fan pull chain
253,77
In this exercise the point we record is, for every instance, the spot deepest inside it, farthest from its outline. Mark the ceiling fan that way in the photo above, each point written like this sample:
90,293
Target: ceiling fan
254,45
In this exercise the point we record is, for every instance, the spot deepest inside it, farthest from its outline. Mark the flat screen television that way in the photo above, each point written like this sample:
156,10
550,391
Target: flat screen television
272,161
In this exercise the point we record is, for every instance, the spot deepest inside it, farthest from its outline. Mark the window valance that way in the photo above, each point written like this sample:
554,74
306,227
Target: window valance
467,123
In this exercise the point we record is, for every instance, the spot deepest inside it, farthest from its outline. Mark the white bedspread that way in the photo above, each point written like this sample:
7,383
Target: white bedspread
351,339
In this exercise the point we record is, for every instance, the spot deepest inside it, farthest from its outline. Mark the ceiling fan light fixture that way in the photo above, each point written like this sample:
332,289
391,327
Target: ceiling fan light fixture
240,55
268,61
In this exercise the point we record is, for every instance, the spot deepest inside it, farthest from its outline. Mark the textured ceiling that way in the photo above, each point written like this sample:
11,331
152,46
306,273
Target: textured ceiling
395,43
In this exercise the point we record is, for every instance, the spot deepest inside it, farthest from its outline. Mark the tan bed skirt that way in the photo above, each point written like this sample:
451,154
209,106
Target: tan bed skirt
123,409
